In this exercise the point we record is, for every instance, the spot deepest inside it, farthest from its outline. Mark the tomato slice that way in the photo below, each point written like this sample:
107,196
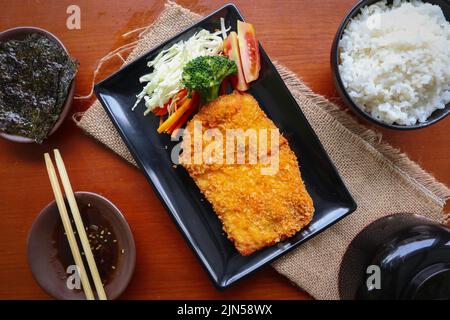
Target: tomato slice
231,50
249,50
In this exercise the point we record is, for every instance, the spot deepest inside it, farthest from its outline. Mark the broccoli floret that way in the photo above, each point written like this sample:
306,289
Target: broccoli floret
205,74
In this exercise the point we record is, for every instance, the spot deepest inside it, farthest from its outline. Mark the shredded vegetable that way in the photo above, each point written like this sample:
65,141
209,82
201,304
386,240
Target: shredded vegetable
223,29
164,82
186,107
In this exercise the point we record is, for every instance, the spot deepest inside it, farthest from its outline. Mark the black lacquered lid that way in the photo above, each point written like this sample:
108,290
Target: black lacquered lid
408,253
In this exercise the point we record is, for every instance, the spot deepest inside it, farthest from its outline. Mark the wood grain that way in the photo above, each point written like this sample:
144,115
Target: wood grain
296,33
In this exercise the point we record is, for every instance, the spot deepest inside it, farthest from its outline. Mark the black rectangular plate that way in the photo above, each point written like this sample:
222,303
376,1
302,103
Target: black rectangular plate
178,192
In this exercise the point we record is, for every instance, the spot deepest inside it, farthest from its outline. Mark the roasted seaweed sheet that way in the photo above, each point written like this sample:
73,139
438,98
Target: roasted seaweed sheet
35,75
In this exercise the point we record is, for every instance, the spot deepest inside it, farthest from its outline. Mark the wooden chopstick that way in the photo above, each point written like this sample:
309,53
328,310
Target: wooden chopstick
79,224
68,227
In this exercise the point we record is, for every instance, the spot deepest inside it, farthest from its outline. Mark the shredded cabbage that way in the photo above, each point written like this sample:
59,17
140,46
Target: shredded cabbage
165,80
223,30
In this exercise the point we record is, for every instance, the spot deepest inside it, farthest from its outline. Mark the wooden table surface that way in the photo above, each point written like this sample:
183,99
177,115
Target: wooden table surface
296,33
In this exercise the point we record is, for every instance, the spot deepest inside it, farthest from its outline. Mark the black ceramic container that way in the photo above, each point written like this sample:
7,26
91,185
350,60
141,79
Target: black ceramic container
409,253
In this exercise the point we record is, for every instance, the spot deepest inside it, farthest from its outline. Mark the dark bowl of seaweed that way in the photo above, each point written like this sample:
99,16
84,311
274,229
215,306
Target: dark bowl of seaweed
36,84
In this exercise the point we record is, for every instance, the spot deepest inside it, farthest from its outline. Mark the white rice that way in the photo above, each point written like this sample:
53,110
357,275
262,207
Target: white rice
395,61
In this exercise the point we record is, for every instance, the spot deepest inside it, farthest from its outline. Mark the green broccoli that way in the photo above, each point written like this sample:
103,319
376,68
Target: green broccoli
205,75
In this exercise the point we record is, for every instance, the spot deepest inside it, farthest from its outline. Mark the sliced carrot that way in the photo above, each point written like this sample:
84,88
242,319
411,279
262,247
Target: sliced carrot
181,94
179,104
182,120
178,97
177,114
160,111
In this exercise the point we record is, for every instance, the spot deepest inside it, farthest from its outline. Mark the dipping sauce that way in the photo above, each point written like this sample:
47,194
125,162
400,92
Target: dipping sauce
102,239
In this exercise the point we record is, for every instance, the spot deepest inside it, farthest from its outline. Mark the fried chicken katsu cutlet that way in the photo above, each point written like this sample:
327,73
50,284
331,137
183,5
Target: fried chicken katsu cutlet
257,210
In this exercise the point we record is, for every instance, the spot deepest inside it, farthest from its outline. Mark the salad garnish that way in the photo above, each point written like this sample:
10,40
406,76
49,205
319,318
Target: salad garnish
194,72
165,80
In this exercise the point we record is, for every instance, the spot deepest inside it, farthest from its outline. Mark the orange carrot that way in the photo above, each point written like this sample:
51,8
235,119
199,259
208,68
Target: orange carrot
178,97
181,94
182,120
177,114
160,111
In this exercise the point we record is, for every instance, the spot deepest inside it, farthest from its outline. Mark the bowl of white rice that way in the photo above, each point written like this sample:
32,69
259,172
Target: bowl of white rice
391,62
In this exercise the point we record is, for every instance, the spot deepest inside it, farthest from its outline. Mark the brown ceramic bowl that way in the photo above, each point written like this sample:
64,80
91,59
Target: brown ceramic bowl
50,273
20,33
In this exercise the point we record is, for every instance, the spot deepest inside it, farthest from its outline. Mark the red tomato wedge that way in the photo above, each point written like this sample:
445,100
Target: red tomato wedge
231,50
249,50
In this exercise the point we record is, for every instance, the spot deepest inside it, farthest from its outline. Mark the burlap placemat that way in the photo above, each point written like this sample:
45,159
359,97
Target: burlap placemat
381,179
